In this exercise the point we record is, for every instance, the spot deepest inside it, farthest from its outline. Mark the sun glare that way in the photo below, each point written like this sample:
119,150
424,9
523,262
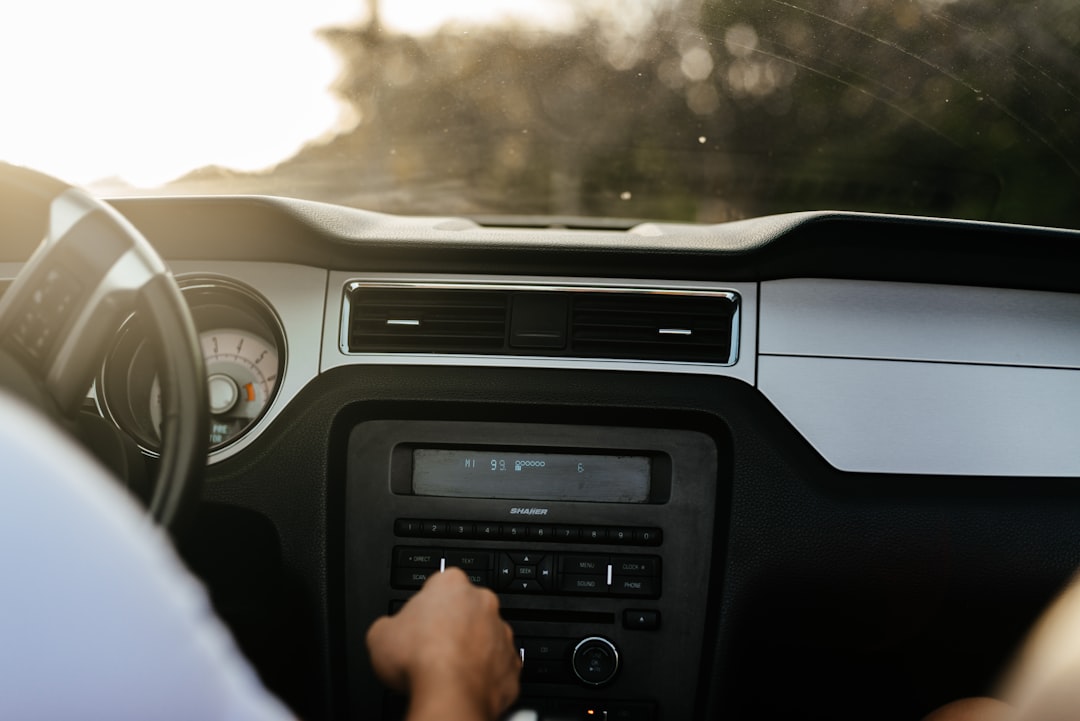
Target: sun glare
144,92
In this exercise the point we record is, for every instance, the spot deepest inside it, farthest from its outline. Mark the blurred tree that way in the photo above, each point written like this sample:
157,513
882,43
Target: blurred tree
716,109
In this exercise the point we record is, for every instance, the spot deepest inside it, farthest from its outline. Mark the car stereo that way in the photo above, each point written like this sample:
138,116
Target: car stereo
598,540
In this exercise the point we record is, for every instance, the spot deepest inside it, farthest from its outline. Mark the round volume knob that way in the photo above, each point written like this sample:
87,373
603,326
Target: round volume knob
595,660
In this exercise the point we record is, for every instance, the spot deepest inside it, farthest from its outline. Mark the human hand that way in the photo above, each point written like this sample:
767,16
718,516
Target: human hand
449,649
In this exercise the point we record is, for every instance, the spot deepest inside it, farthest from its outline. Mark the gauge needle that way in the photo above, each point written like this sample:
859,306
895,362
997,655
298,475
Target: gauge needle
250,388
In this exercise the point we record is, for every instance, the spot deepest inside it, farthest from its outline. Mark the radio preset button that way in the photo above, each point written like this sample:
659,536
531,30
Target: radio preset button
540,533
619,535
459,529
433,528
407,527
594,534
513,532
487,531
567,534
649,536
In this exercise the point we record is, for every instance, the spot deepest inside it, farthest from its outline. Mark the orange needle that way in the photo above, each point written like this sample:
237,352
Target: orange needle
250,388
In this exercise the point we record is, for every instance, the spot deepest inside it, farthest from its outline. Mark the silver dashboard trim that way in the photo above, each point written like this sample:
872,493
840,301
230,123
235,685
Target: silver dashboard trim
909,417
296,294
915,321
336,354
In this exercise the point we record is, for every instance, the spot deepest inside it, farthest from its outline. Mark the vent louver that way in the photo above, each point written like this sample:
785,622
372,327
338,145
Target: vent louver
655,325
421,320
672,327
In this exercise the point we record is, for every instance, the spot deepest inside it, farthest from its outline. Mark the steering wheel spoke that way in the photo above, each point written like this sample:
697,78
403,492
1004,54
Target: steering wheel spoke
91,271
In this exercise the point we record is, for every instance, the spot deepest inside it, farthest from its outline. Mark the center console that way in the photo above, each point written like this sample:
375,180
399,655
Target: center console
597,539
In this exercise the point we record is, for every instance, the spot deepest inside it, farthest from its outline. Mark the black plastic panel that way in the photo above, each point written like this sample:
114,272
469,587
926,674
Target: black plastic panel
829,594
565,581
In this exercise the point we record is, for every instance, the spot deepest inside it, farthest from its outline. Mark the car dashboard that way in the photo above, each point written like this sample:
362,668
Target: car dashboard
805,464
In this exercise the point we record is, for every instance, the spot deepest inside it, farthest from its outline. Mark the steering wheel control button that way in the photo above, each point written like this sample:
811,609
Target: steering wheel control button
639,619
595,661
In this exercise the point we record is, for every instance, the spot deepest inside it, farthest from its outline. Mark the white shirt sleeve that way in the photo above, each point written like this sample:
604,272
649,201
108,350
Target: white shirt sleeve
98,617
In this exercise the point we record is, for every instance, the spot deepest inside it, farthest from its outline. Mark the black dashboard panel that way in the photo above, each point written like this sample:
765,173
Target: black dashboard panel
607,598
815,575
816,593
813,244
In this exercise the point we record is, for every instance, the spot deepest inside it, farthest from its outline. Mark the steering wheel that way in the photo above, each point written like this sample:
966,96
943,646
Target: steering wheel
92,270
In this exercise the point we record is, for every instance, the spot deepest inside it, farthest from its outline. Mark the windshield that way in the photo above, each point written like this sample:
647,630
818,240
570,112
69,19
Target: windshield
685,110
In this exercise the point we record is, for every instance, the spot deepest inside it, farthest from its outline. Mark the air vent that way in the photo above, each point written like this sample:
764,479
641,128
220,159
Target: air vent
654,326
426,320
567,322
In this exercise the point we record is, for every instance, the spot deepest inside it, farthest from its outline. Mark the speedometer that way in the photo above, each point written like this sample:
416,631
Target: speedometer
243,344
242,373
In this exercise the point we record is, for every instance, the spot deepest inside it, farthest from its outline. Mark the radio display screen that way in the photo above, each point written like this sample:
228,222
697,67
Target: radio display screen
460,473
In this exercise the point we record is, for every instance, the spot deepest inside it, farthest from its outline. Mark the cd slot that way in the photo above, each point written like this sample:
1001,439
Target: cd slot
556,616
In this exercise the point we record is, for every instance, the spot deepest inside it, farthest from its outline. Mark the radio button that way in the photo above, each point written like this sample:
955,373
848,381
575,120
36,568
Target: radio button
417,557
524,586
407,527
435,529
459,529
504,572
411,577
636,565
571,583
594,534
567,534
649,536
480,578
540,533
513,532
621,535
545,573
525,572
488,531
640,619
469,560
635,586
583,563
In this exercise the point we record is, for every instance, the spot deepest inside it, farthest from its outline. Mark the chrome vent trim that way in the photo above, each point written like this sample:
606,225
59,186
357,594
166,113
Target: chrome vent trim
612,322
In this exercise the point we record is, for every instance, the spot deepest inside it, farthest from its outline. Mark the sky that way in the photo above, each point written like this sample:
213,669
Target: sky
147,91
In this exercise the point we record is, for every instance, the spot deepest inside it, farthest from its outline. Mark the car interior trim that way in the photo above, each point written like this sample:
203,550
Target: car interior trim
915,321
744,342
903,417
